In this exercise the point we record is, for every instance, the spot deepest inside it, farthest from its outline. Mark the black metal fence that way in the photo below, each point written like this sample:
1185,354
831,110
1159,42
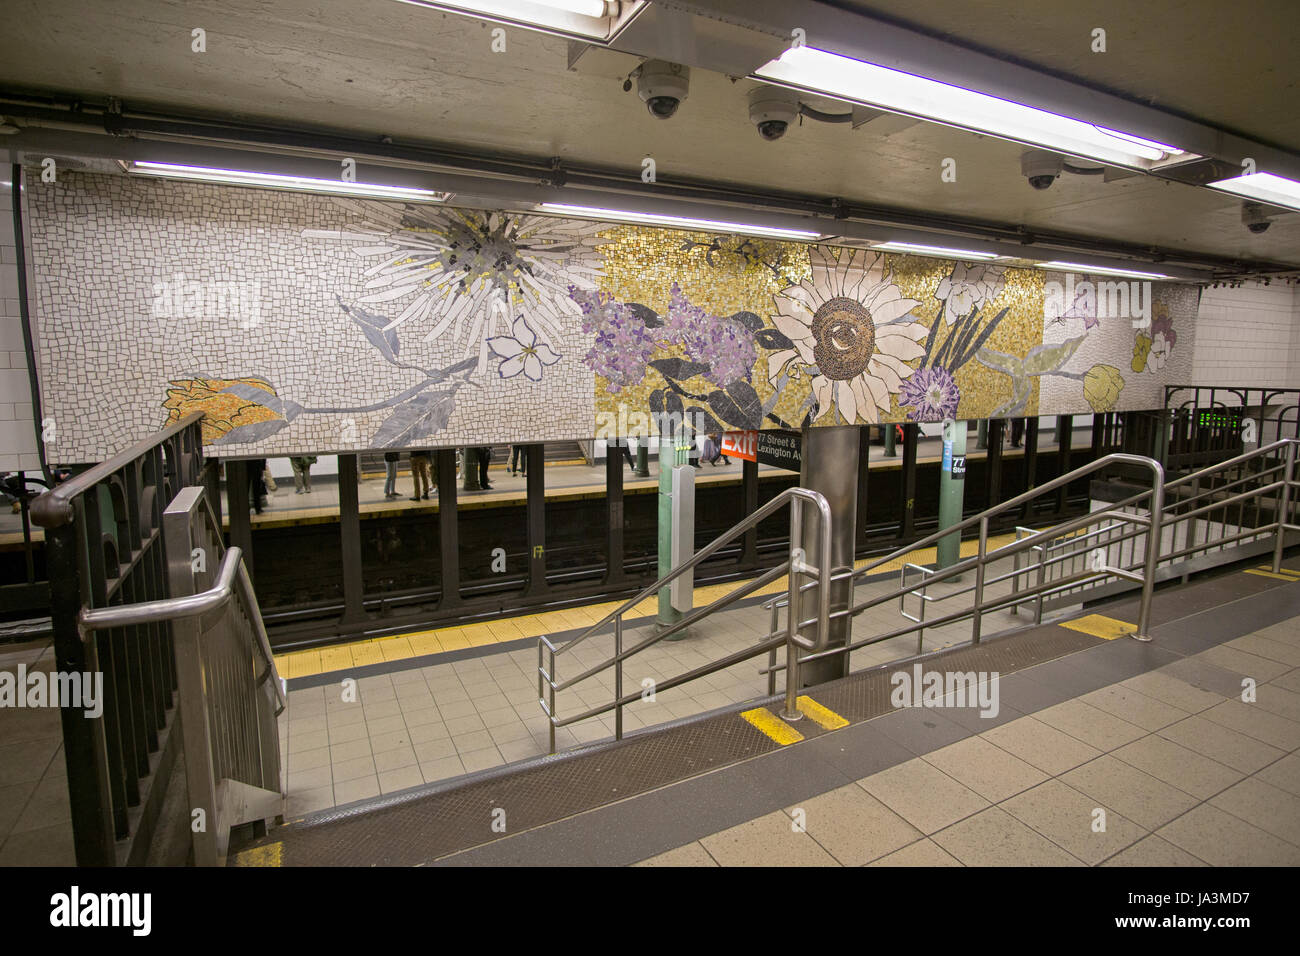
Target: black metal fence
414,569
1210,424
104,547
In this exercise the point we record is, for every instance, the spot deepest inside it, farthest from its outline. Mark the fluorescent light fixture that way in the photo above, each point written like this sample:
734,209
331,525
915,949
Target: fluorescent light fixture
1265,187
898,92
241,177
680,222
587,18
1099,270
943,251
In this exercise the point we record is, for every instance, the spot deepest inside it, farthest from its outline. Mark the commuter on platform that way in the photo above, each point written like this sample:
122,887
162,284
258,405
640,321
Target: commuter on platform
518,460
256,484
391,458
302,473
713,450
1017,431
484,455
420,474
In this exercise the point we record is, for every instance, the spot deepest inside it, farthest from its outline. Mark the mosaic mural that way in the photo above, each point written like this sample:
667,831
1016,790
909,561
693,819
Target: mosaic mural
304,324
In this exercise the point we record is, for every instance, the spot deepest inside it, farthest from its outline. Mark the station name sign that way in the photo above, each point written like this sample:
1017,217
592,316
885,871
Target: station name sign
779,449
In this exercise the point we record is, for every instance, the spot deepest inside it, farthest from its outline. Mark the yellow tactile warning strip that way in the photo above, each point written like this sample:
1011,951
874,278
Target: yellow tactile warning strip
823,717
269,855
772,725
399,647
1098,625
1266,571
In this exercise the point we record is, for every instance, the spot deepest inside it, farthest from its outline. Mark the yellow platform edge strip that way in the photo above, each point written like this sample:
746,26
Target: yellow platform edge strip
1269,574
1098,625
269,855
399,647
773,726
823,717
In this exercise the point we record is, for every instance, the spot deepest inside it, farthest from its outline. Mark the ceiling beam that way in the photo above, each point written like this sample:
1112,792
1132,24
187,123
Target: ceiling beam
514,182
884,43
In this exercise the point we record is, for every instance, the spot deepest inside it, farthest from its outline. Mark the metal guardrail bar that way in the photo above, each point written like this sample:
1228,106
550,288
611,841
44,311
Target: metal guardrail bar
796,499
1020,500
54,508
709,549
232,579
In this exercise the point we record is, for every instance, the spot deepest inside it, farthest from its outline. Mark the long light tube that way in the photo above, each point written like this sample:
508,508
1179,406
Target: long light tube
680,222
241,177
899,92
590,18
943,251
1265,187
1099,270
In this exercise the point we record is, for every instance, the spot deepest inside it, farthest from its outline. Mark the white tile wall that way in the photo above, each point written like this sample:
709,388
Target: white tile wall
1249,336
17,436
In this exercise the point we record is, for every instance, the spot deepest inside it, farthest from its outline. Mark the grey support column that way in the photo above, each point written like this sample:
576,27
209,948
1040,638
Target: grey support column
864,460
536,455
907,490
830,467
1064,432
614,575
350,534
448,532
237,503
749,488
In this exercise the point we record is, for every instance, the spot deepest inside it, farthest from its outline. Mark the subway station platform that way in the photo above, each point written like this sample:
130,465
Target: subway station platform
1155,735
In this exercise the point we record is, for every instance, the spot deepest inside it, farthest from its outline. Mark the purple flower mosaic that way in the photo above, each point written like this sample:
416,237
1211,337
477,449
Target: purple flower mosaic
932,394
623,343
725,346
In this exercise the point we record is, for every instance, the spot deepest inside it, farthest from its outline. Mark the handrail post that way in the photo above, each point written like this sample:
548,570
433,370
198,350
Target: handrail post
1042,579
979,580
1284,507
618,677
550,672
1154,529
793,615
771,655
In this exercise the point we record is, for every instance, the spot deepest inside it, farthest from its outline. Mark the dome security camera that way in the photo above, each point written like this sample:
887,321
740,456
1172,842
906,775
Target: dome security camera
772,110
663,86
1041,168
1256,217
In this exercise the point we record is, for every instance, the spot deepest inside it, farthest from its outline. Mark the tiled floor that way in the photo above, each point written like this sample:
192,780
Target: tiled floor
35,820
425,724
1152,771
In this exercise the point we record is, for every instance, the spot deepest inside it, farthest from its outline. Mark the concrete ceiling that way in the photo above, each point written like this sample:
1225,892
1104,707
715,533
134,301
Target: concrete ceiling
380,67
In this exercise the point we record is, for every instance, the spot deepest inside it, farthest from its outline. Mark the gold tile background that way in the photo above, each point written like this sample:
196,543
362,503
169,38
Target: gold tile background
641,265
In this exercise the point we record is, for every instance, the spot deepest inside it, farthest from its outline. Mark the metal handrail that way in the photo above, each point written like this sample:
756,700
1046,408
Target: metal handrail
229,692
794,566
232,578
1020,500
1055,546
54,508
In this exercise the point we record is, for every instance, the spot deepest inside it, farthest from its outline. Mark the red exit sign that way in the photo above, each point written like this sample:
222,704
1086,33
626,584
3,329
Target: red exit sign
741,445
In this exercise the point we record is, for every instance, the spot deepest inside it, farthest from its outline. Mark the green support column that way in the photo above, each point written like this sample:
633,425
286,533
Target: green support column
642,469
670,455
891,440
952,485
982,434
